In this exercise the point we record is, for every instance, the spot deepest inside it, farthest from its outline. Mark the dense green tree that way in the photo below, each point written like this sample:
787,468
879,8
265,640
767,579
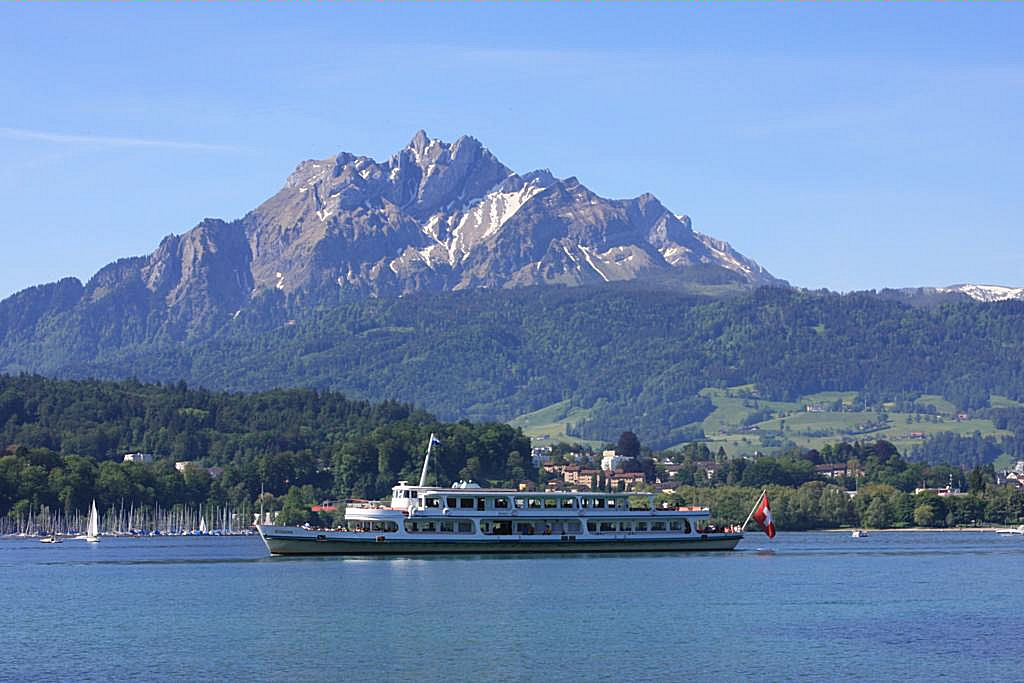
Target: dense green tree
628,445
879,514
924,515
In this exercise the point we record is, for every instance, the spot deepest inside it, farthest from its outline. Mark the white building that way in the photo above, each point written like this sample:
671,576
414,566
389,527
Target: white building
611,461
540,455
138,457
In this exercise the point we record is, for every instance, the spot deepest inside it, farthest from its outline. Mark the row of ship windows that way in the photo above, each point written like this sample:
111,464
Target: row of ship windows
554,526
499,503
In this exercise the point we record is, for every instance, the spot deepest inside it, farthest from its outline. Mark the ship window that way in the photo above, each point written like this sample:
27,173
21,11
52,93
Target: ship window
584,502
641,526
433,502
520,503
500,528
480,503
550,502
568,503
572,526
592,527
447,526
607,527
534,503
466,503
501,502
451,502
599,502
657,526
485,527
465,526
625,526
675,525
611,502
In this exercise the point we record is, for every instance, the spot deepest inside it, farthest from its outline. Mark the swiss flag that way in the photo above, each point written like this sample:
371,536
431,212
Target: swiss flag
763,517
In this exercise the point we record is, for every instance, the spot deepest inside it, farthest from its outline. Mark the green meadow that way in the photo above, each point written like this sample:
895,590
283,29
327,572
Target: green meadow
730,424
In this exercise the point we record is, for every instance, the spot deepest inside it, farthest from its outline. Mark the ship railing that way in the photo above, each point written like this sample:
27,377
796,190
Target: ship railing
362,503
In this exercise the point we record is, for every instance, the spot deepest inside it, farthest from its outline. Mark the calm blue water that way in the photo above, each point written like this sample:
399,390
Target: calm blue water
893,606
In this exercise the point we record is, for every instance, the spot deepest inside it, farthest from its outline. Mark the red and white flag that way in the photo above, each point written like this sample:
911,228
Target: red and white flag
763,516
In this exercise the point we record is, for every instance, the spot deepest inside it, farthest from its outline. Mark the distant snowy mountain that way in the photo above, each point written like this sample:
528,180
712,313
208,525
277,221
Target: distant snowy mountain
985,292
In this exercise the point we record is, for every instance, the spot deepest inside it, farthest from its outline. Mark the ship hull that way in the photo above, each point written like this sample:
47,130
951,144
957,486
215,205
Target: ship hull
311,545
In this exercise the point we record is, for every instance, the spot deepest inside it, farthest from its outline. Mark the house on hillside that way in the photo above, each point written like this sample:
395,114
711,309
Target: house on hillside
831,471
708,467
943,492
626,481
669,486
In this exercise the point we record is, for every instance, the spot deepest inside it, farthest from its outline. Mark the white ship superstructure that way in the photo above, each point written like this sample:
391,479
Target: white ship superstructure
423,519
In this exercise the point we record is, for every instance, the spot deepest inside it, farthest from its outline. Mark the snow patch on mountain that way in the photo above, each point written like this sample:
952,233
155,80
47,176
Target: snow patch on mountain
489,214
985,292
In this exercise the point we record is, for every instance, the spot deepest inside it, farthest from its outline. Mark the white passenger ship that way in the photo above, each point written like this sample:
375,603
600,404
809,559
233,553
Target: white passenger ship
465,518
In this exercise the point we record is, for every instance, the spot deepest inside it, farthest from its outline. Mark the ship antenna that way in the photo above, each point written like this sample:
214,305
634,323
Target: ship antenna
426,461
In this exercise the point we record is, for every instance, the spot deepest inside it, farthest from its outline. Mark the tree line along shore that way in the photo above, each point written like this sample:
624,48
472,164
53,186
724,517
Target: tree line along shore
62,444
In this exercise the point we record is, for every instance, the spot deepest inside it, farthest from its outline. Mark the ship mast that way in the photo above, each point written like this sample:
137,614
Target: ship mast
426,461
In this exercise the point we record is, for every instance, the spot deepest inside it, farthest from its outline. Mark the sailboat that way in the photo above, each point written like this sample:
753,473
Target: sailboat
92,532
203,530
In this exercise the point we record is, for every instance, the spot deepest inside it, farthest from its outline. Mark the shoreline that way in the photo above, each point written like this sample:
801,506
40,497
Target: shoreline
914,529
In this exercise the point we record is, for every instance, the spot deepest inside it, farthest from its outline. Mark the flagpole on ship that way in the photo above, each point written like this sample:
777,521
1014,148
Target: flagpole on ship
752,510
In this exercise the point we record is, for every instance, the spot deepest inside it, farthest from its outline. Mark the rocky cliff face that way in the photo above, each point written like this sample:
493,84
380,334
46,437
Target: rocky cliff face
443,216
436,216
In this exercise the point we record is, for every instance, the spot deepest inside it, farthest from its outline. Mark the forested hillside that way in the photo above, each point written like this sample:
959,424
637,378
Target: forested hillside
64,443
634,357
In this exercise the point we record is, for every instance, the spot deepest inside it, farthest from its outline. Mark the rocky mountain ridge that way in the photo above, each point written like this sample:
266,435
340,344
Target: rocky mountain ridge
450,216
436,216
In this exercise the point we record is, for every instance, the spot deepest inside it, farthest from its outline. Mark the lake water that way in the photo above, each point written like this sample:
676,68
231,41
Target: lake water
892,606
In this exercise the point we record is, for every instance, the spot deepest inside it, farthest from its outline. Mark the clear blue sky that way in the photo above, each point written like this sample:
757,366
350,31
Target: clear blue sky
847,146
